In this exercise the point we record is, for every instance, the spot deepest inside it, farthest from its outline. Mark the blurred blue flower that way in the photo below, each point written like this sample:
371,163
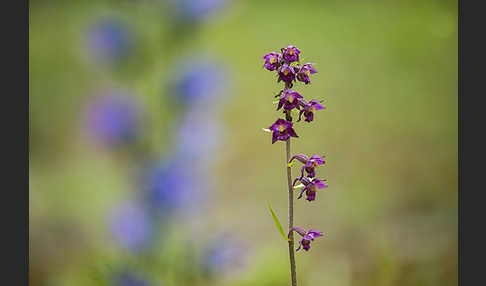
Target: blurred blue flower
173,186
113,118
194,11
131,225
198,137
110,40
200,83
224,255
129,279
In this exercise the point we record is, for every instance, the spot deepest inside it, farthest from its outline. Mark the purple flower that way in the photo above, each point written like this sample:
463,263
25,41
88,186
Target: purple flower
224,255
165,185
272,61
129,279
114,118
173,186
304,72
282,130
205,130
289,100
309,164
110,40
200,82
290,54
309,108
131,225
307,237
286,73
311,185
194,11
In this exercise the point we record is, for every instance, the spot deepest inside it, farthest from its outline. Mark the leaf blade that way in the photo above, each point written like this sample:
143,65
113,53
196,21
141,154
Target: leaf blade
277,222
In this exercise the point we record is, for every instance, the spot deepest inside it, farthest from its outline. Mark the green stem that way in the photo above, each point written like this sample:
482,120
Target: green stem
291,217
293,273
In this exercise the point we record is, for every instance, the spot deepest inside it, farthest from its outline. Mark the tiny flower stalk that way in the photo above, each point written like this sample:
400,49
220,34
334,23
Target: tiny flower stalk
288,69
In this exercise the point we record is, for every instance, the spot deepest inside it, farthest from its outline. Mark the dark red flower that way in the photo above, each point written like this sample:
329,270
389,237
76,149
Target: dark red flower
282,130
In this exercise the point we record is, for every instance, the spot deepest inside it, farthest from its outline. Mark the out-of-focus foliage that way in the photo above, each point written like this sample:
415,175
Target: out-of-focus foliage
149,166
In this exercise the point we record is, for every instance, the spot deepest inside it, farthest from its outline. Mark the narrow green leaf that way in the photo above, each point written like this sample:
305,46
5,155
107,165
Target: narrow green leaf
277,222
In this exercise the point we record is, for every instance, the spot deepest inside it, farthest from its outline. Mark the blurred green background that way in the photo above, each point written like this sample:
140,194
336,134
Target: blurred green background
387,71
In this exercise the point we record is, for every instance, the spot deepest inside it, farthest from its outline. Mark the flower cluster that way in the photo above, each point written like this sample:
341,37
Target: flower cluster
172,190
289,70
286,64
310,182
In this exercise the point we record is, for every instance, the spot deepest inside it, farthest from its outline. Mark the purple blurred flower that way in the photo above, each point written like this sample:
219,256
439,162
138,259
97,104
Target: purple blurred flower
272,61
307,237
304,72
110,40
172,186
290,54
198,135
194,11
311,185
113,118
131,225
201,82
129,279
289,100
309,164
282,130
224,255
286,73
309,108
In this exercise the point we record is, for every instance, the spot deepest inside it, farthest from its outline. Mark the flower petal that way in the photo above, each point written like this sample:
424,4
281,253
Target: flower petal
301,157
